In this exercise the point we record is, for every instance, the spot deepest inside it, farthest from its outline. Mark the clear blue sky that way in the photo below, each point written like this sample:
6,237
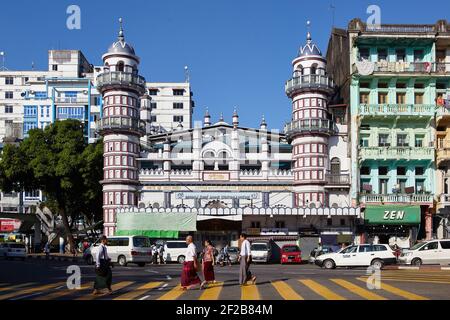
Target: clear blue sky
239,51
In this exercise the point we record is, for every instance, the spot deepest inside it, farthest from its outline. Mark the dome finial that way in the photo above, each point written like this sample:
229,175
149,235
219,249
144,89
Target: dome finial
221,117
121,36
308,36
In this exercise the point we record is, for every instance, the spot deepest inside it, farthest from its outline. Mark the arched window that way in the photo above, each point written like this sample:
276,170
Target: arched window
313,69
120,66
335,166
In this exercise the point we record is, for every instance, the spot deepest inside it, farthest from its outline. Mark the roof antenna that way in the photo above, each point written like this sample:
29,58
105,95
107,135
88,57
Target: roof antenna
186,74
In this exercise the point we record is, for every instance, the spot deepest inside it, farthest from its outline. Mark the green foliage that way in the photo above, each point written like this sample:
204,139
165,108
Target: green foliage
58,161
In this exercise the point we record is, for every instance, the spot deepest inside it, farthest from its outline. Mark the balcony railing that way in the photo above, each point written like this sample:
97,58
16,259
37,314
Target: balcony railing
442,111
407,153
309,125
308,82
71,100
444,198
337,179
396,110
396,198
117,78
443,154
404,67
121,123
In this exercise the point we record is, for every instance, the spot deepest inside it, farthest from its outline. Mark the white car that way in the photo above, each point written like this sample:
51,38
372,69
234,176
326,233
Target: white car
13,250
429,252
174,251
123,250
261,251
364,255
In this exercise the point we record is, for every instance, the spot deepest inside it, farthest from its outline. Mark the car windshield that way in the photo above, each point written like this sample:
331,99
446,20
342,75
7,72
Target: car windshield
142,242
348,249
291,249
233,250
259,247
417,246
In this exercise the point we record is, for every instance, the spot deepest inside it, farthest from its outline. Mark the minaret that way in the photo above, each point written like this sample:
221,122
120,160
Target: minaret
207,119
121,128
310,128
235,119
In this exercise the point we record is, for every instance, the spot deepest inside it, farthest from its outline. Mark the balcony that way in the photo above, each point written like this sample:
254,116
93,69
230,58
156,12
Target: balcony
396,153
337,180
405,110
119,80
365,67
444,201
72,100
121,124
442,113
308,82
442,155
396,198
309,126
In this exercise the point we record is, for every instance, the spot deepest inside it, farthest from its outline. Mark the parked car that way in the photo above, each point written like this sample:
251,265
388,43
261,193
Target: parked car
290,253
376,255
174,251
318,252
11,250
261,251
429,252
123,250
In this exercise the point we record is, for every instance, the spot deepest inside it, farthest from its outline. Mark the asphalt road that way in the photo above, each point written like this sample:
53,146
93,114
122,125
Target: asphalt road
47,280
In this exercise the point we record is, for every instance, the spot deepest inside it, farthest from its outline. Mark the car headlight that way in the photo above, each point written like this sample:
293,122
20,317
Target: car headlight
407,254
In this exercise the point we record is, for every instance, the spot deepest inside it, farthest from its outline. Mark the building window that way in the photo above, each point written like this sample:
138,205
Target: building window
418,55
401,54
335,166
365,171
329,222
402,140
383,140
9,80
364,54
153,105
177,118
27,126
364,141
418,141
178,105
178,92
401,171
382,55
255,225
383,171
342,222
9,95
55,67
152,118
420,171
48,111
30,111
364,98
280,224
9,109
153,92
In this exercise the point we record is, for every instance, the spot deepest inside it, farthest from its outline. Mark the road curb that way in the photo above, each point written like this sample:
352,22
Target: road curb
56,258
424,268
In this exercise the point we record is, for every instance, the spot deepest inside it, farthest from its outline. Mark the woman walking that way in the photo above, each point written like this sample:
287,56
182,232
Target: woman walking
208,264
103,271
189,277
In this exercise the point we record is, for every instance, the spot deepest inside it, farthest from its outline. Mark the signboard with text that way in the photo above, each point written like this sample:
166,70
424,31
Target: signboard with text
392,215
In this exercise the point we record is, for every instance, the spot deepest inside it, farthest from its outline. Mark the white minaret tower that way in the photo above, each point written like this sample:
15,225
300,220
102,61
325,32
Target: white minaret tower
121,128
308,132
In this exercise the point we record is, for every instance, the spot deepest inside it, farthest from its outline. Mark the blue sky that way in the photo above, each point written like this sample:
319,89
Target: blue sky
239,52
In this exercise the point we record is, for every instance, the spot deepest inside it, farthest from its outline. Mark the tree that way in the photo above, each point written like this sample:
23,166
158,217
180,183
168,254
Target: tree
58,161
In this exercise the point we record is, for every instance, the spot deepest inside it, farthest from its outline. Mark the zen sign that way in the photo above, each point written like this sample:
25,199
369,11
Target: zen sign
392,215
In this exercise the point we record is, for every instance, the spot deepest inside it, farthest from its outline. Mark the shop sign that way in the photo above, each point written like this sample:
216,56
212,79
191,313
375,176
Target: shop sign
392,215
253,231
217,195
9,225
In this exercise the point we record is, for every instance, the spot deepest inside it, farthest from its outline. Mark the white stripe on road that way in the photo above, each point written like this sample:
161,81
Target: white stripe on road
164,285
144,298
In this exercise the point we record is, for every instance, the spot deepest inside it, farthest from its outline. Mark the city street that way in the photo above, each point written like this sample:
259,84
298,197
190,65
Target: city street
46,280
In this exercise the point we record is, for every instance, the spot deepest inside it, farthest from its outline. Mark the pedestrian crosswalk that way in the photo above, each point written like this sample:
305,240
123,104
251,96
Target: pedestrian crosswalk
334,288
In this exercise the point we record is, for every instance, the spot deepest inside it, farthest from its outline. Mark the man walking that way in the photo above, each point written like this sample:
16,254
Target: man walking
103,278
226,255
161,254
245,258
189,277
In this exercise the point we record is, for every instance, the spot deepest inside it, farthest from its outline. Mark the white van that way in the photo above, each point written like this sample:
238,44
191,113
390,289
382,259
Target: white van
123,250
429,252
174,251
261,251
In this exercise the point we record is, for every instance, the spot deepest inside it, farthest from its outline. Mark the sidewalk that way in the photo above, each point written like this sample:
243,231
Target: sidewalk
58,257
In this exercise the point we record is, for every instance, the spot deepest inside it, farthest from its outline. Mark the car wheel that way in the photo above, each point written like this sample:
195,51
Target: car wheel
89,260
329,264
141,264
416,262
181,259
377,264
122,261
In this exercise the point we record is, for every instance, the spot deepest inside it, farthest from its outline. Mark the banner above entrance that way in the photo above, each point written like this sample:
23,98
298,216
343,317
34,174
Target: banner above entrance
392,215
217,195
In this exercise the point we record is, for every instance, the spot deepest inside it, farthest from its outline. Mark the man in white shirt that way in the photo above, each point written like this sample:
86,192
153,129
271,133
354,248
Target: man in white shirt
102,268
189,277
245,258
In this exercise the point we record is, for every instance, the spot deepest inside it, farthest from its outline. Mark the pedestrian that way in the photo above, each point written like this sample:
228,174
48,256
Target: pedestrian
208,264
47,250
245,258
85,245
161,254
103,270
154,254
226,255
189,277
